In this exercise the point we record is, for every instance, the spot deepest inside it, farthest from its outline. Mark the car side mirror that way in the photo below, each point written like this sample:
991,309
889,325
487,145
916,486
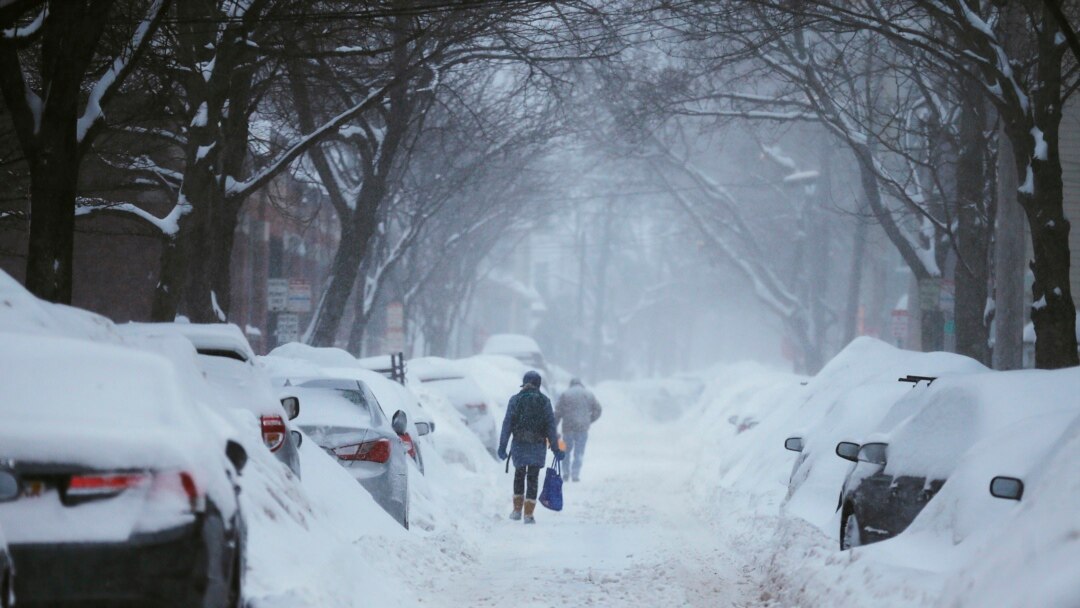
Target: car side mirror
795,444
1009,488
400,422
848,451
292,406
10,488
422,428
237,455
297,438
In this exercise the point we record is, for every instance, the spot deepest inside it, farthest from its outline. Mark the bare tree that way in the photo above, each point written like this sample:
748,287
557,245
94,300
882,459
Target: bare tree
52,51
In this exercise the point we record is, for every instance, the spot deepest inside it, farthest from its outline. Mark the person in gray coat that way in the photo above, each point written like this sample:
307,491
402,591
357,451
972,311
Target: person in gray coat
578,409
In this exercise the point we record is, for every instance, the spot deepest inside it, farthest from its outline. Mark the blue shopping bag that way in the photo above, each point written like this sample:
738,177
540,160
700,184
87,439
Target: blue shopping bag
551,495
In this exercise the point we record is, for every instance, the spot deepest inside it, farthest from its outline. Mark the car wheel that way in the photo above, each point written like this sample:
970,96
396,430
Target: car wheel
850,533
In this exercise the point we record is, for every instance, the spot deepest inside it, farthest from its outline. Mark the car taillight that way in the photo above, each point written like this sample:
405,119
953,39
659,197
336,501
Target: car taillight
479,407
101,485
369,451
105,485
273,432
410,447
180,483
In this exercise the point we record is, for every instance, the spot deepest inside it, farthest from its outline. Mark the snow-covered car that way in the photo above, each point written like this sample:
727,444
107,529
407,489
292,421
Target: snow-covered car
521,347
227,361
453,382
9,490
128,482
344,418
295,360
915,450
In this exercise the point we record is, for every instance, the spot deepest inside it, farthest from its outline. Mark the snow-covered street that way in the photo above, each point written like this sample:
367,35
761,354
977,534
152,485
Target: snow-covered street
632,533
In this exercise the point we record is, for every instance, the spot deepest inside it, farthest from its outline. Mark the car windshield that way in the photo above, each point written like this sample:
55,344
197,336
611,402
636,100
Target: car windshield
332,436
329,402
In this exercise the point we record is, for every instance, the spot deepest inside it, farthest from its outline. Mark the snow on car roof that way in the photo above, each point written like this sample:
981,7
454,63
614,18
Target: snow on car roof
429,368
323,356
69,400
25,314
956,412
205,336
510,344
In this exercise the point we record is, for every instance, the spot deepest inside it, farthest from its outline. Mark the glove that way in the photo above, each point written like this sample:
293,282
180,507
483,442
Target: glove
559,454
502,454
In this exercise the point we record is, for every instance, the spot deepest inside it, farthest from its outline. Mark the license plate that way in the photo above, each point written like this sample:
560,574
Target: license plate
33,489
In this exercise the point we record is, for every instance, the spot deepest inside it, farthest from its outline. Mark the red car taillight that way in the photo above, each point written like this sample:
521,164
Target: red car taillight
369,451
479,407
273,432
104,484
410,447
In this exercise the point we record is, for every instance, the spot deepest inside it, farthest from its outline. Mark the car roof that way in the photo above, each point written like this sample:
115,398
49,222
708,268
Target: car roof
224,337
510,344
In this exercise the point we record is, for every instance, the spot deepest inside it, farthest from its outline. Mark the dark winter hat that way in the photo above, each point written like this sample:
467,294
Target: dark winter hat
531,377
576,382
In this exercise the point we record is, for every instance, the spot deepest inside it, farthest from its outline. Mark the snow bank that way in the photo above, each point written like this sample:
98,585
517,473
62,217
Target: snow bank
320,542
966,548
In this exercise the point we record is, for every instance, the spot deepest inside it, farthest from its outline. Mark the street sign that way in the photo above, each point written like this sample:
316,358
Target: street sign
394,340
288,328
277,294
299,296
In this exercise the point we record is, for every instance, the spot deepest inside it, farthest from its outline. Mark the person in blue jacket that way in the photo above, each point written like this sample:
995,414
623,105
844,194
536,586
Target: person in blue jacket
531,422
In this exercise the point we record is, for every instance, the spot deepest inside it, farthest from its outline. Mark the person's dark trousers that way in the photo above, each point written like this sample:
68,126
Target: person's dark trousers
523,474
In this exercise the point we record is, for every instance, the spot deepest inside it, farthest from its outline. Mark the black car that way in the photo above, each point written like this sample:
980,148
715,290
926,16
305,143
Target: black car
126,495
874,505
9,490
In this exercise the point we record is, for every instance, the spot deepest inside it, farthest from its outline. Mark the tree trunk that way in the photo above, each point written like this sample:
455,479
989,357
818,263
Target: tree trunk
170,281
851,315
360,316
48,136
1041,195
974,210
50,253
1009,253
347,260
600,303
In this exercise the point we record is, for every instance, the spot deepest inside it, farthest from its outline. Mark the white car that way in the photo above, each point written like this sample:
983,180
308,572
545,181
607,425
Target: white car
452,381
291,361
523,348
128,482
228,363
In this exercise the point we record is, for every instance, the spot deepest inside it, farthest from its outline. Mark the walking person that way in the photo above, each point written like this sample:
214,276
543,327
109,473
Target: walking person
531,422
578,409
